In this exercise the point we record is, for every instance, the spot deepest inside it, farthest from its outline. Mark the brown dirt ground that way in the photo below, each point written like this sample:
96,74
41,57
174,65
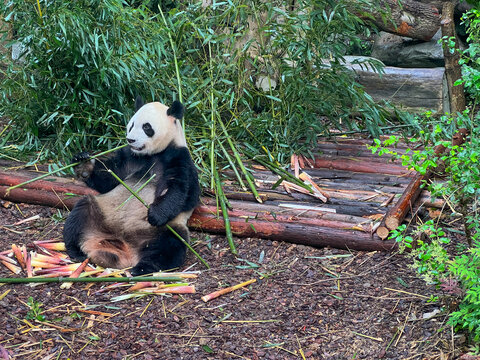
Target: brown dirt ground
311,303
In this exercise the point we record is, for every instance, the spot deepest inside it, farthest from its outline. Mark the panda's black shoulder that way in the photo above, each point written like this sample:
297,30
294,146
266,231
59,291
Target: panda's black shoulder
175,155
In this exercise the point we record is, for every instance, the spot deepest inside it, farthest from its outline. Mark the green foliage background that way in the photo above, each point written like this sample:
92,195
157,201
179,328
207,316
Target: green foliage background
453,266
86,60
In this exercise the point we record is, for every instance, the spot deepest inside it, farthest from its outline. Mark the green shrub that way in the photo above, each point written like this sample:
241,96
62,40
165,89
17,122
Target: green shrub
87,59
456,271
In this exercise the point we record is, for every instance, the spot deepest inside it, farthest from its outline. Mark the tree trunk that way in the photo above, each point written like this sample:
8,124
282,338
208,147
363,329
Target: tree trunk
453,71
409,18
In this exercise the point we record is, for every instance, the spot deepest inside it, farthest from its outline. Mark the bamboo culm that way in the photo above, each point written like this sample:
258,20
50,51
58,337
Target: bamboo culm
88,280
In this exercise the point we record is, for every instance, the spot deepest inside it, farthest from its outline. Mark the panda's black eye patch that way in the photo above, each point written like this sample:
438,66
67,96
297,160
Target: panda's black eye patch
147,128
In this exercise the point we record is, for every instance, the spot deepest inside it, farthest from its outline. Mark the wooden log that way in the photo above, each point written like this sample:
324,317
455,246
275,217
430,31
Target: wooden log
38,197
356,141
358,155
359,178
337,191
357,165
413,89
274,217
396,214
406,18
293,233
55,184
383,232
273,208
395,217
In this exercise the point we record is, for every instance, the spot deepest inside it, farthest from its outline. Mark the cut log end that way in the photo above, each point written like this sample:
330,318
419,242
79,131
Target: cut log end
383,232
392,222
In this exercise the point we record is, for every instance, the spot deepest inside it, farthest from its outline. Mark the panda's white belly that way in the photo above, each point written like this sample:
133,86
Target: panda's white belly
123,211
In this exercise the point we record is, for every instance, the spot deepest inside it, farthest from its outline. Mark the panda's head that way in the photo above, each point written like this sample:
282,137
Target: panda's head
154,126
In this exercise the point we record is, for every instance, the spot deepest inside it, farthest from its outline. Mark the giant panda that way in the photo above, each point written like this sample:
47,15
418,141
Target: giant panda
114,229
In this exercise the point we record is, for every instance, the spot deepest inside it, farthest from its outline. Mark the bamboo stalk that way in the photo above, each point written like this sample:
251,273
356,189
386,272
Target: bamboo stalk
29,265
19,256
232,165
221,292
87,280
186,289
240,162
177,71
12,267
226,219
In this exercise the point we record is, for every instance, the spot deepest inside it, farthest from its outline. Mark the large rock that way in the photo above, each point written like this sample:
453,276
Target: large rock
394,50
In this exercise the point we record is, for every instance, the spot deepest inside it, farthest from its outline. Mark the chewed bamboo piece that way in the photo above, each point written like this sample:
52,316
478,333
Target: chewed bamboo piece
183,275
183,289
221,292
318,193
142,285
28,262
8,259
47,265
57,246
12,267
75,274
54,259
19,255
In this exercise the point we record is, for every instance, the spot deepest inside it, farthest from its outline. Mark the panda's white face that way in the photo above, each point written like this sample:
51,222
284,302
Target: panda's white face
151,130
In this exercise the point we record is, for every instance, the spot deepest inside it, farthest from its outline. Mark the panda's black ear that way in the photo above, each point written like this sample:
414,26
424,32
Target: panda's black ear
138,103
176,110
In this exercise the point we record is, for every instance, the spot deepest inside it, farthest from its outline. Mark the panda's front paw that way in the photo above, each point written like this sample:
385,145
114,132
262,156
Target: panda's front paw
143,268
81,157
76,254
85,168
156,217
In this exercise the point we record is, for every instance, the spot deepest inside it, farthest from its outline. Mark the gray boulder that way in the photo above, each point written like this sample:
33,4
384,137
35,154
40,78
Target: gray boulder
394,50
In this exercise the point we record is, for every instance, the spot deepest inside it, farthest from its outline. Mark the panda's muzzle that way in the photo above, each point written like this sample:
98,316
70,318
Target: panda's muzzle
134,148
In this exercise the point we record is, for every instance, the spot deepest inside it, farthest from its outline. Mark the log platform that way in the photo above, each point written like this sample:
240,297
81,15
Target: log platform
359,189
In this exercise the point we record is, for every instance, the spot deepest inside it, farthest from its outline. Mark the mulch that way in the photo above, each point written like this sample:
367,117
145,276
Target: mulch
312,303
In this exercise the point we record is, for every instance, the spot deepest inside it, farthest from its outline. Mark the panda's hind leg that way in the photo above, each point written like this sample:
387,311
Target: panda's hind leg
75,225
165,252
